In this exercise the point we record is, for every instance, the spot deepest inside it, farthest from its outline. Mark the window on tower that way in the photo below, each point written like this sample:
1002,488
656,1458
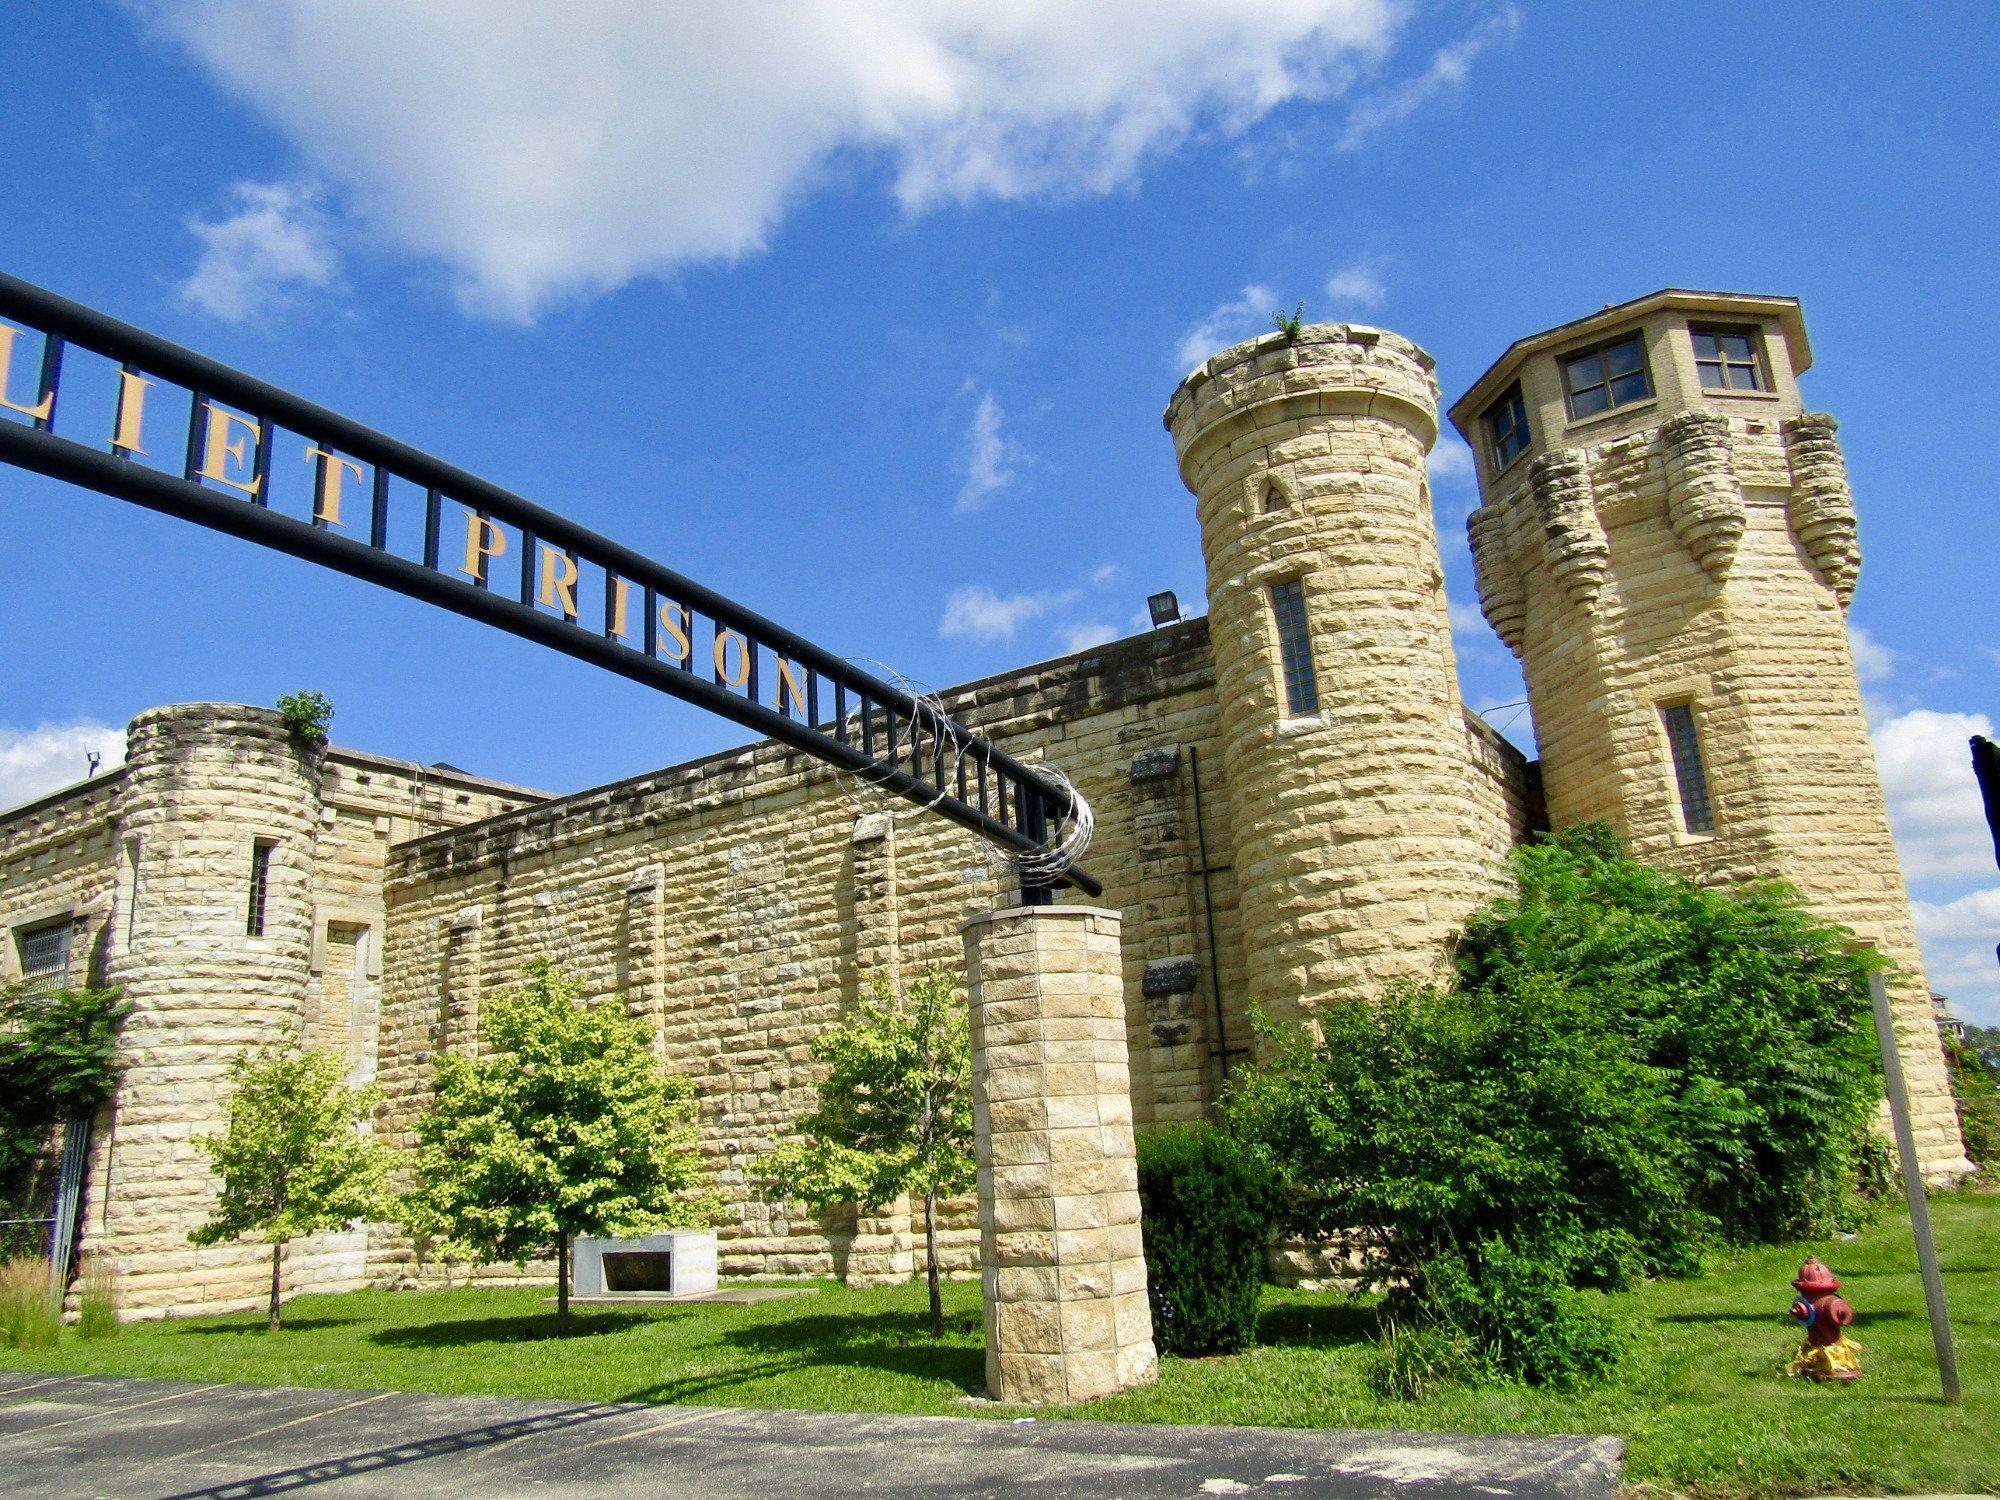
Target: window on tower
1726,359
1288,609
1611,375
1690,772
1507,421
260,885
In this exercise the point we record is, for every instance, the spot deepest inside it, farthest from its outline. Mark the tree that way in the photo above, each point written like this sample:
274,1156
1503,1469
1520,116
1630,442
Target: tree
566,1124
894,1114
293,1157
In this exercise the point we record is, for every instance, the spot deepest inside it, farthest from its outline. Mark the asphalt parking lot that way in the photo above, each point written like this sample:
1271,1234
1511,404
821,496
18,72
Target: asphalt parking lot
175,1440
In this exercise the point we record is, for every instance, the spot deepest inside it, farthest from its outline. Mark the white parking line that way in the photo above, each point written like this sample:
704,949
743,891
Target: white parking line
311,1416
15,1390
685,1419
105,1411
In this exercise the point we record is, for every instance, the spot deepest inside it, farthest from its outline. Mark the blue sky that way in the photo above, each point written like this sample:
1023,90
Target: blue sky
870,324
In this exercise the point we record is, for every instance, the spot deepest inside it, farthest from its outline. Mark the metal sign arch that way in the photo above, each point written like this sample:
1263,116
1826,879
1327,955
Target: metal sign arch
652,622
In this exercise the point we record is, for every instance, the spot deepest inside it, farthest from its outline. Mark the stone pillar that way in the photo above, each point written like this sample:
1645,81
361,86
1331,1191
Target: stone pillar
1064,1271
206,783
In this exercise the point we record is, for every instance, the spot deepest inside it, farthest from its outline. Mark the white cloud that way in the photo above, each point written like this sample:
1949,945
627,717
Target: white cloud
976,613
544,151
1104,574
1084,635
1245,316
1934,805
992,458
1467,617
1451,459
40,760
1958,939
1446,74
1358,283
270,245
1873,661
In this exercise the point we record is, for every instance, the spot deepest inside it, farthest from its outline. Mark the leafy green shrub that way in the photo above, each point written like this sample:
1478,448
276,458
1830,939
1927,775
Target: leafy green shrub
1410,1363
1519,1310
307,717
1207,1202
1629,1069
1755,1011
58,1061
30,1310
96,1301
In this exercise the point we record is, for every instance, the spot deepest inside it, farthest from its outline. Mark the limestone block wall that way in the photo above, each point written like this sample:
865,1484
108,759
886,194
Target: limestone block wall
1707,560
60,860
1359,825
741,900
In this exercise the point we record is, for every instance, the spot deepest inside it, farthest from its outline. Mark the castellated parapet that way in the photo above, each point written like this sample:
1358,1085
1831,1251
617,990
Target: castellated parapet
1672,563
1359,845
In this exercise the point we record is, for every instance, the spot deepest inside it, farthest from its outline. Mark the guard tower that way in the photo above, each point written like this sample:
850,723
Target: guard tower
1668,543
1358,843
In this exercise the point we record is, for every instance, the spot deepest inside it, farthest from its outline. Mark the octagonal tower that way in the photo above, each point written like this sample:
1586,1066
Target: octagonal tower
1668,543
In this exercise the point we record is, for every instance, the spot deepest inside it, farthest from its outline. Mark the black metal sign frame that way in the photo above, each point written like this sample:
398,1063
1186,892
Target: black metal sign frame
653,623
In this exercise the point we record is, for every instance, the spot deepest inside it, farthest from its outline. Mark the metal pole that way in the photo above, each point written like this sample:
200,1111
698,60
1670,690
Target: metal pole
1913,1186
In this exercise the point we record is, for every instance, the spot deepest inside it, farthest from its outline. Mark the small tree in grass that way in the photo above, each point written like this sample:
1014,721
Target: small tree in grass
894,1114
565,1125
292,1157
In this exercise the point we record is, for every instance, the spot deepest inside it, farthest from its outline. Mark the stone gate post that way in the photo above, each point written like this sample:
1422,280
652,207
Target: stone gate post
1064,1274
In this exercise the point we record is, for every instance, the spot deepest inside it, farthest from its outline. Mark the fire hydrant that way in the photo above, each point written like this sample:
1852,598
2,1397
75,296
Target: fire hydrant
1828,1353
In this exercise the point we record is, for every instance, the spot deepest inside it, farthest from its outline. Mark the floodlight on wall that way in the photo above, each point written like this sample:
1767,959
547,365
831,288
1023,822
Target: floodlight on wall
1165,608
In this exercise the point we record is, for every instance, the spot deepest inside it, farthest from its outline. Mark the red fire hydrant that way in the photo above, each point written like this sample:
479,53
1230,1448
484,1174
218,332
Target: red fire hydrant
1828,1353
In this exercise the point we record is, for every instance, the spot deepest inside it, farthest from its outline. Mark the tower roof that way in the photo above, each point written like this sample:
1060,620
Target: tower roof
1719,304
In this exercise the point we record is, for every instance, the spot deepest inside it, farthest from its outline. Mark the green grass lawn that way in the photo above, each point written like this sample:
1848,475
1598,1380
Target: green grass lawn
1698,1398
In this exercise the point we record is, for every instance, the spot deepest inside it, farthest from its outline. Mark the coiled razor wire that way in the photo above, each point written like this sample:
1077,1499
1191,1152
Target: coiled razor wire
1045,865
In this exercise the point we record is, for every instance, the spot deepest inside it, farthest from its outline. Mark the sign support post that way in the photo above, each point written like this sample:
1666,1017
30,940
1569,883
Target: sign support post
1913,1187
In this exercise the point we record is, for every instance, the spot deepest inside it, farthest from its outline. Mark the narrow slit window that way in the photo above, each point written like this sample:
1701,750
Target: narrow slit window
1697,810
260,885
1288,608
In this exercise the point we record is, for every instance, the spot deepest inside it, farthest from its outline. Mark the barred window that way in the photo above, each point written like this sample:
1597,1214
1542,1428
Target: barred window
1697,811
1726,359
1507,420
45,956
1288,608
260,885
1610,375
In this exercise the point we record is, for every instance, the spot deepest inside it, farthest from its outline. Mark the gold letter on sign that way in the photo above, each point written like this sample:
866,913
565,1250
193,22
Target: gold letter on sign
224,444
41,409
482,540
620,605
790,687
677,622
326,497
131,411
723,640
558,574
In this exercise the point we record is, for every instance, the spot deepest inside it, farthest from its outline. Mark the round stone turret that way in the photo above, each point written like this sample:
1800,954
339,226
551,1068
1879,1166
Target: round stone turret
1356,836
218,818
